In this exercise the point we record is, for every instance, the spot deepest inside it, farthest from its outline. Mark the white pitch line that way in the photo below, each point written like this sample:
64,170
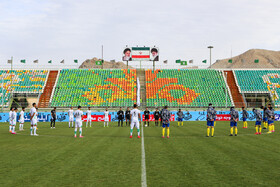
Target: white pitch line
143,162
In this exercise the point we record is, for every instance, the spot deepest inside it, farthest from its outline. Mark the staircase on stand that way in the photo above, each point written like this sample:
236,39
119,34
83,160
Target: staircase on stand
46,95
236,95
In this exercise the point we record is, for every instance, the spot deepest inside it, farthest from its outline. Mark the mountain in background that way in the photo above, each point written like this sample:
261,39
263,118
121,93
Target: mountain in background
267,59
91,64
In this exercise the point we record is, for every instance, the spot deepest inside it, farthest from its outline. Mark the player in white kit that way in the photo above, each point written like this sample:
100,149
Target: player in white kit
79,123
135,116
33,120
21,119
71,116
106,117
88,117
10,119
14,120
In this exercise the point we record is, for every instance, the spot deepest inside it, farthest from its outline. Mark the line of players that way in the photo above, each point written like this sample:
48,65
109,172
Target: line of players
33,120
267,118
132,117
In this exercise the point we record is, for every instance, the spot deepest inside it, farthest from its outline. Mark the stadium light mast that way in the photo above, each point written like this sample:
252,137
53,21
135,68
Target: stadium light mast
210,47
102,56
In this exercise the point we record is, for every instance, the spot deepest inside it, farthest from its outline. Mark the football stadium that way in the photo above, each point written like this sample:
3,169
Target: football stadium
155,116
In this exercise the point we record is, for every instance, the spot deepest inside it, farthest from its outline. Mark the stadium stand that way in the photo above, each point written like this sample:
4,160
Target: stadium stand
22,81
185,87
259,81
95,87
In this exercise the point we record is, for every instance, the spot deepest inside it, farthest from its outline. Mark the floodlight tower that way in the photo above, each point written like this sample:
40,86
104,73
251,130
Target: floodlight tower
210,47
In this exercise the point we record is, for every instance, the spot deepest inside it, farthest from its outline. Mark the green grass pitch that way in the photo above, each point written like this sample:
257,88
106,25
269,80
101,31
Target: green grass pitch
107,157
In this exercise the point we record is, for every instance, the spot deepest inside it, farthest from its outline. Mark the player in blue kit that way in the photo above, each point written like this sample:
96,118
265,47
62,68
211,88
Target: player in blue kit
245,115
210,120
233,120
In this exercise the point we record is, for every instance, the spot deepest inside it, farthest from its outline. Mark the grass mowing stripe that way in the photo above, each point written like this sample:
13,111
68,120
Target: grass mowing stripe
143,161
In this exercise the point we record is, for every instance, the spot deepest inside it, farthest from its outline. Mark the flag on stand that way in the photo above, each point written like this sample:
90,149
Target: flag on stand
62,61
50,61
178,61
184,63
99,62
230,61
22,61
75,61
36,61
204,61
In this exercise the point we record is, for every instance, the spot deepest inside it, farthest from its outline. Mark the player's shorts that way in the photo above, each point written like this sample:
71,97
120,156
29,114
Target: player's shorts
89,119
134,124
127,117
33,121
244,119
265,119
21,121
147,117
165,125
78,124
214,119
233,124
210,123
106,119
156,118
14,123
270,122
180,119
258,123
71,119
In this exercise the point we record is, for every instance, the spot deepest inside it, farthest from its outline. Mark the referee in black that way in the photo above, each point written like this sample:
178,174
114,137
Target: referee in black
127,116
120,117
53,115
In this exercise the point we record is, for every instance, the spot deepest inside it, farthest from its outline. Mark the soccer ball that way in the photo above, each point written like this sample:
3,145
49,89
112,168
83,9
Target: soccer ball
146,125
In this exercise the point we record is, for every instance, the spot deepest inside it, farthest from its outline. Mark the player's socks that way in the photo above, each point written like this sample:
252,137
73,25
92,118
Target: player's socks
260,129
35,129
69,124
90,123
212,132
81,130
178,124
138,132
107,123
231,130
214,123
182,124
208,131
31,128
257,129
273,130
167,131
75,132
104,123
244,125
10,128
235,131
163,132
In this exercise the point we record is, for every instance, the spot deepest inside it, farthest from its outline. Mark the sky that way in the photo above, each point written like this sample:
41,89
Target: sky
182,29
